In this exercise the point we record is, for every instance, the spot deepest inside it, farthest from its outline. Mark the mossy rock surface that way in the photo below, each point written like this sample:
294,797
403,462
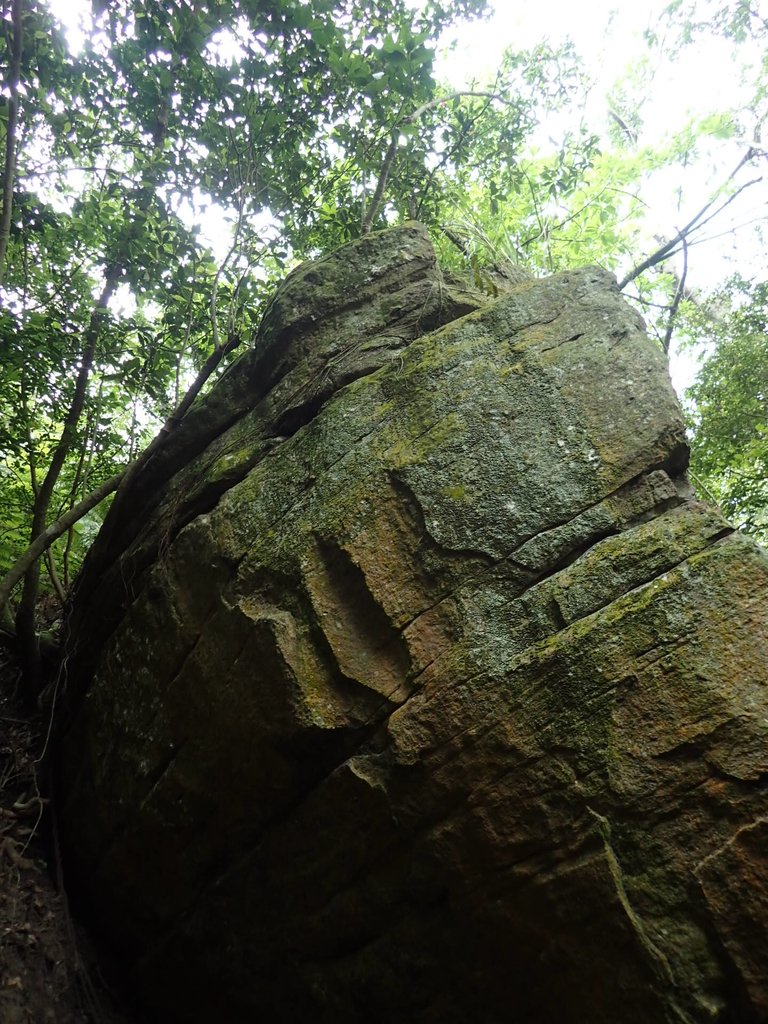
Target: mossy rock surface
417,685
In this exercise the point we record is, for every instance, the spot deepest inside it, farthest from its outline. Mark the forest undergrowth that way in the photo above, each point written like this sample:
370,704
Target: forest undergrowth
50,971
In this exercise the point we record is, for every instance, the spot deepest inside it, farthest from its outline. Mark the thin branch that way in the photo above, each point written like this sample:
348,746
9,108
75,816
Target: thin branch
723,234
88,450
696,222
457,240
187,330
78,400
30,441
235,300
701,485
176,416
728,201
44,539
381,184
65,556
10,134
679,293
443,101
544,231
372,210
648,304
25,613
222,267
209,366
447,156
50,565
629,133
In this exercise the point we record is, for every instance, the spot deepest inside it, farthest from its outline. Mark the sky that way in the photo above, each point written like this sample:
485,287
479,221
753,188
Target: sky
699,81
609,38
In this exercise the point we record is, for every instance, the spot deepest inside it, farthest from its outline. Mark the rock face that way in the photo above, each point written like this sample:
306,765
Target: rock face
411,683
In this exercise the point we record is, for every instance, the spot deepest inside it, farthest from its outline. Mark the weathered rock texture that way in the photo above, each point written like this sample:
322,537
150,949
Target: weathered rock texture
411,684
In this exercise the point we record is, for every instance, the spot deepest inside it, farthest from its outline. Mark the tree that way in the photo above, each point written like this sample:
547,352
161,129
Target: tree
729,403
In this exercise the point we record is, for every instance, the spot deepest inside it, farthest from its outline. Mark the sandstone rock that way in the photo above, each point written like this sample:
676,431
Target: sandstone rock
413,684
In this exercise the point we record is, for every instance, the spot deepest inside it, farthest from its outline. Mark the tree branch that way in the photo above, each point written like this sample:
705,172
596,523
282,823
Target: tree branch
10,134
467,127
372,210
50,565
679,293
443,101
25,613
44,539
456,239
161,438
698,221
381,184
212,308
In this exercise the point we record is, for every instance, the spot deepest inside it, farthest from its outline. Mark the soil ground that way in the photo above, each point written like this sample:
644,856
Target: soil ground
49,971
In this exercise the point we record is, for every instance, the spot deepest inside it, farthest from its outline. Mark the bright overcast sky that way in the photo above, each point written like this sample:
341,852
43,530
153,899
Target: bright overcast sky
522,26
609,37
702,80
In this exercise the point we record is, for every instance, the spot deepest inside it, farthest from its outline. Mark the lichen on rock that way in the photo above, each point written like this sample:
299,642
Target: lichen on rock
418,685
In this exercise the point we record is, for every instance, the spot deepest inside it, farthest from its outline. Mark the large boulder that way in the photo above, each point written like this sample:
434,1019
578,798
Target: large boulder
411,683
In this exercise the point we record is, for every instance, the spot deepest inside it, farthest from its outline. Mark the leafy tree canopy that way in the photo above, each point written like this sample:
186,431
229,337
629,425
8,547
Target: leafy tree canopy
728,402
